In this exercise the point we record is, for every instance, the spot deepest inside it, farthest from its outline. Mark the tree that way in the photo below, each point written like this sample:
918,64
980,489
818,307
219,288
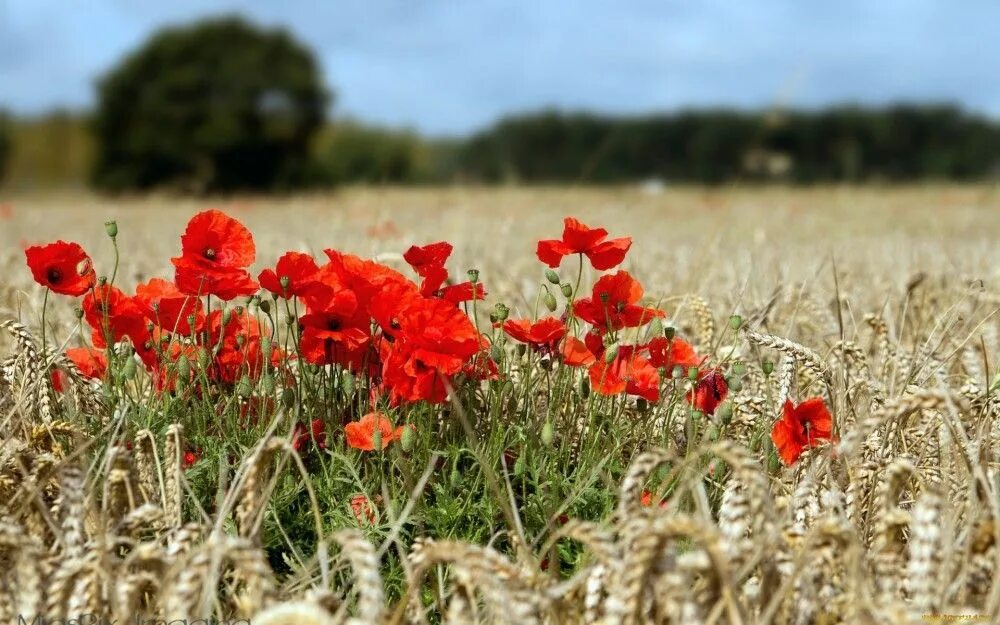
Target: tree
216,106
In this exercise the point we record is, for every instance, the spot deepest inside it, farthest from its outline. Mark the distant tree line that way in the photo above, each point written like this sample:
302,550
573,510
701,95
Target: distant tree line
899,143
225,105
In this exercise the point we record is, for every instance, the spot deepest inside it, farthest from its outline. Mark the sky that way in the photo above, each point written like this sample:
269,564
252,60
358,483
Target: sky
450,67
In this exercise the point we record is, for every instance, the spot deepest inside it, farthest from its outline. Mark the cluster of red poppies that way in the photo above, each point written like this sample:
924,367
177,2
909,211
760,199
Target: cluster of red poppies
614,305
411,341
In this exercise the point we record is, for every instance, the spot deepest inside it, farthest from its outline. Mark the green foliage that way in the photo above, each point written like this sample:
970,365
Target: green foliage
219,105
351,152
840,144
5,143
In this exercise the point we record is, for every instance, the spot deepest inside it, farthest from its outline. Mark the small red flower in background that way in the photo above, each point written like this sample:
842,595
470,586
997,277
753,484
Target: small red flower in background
647,500
575,353
215,253
62,267
670,353
542,334
297,268
189,459
801,427
612,304
92,363
303,438
628,372
165,305
361,434
577,238
710,391
363,508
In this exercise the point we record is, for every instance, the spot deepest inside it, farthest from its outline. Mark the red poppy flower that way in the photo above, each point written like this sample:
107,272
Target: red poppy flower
576,354
612,304
434,342
544,333
363,509
801,427
215,253
62,267
108,310
167,307
91,363
189,459
361,434
426,259
577,238
710,391
294,267
669,353
302,437
461,292
335,331
366,278
628,372
238,347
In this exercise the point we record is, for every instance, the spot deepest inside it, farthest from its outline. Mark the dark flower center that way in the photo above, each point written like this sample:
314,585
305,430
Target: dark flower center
53,275
209,253
332,324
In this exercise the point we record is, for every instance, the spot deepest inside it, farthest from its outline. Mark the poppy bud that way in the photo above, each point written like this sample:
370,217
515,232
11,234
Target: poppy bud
713,433
605,298
767,367
377,439
734,383
78,312
285,282
240,340
267,384
519,466
227,314
773,462
243,389
111,227
265,306
585,388
183,367
567,289
239,309
501,312
693,374
347,383
496,353
473,275
656,327
611,354
204,358
725,413
551,276
288,398
191,319
739,367
549,300
548,433
265,345
670,332
735,322
102,280
455,478
406,439
129,370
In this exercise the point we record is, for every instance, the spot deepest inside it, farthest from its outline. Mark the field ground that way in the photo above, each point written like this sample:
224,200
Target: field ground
880,303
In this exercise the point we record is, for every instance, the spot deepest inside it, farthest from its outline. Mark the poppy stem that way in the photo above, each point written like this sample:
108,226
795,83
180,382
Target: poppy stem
45,307
114,272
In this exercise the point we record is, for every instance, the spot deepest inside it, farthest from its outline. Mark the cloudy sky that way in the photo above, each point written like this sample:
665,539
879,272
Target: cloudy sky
452,66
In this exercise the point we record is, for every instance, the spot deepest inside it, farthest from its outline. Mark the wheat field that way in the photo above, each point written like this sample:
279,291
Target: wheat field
883,302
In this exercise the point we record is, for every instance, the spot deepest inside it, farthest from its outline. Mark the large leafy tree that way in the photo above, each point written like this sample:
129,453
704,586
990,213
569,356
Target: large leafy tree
215,106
